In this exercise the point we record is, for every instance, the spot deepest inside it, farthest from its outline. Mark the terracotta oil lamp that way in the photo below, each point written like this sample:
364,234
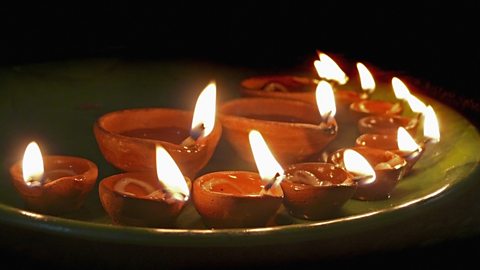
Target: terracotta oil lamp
284,87
295,130
316,190
53,184
239,199
387,124
377,171
144,198
127,138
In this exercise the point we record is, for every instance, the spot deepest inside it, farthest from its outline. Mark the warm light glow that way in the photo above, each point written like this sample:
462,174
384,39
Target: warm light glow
366,79
358,165
416,104
431,128
329,70
267,165
170,175
400,89
32,165
405,141
325,100
205,109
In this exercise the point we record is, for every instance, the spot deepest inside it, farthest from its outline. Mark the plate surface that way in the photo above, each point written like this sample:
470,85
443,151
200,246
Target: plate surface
57,104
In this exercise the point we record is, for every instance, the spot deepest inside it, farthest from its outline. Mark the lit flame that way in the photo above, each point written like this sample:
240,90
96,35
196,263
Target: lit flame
366,79
405,141
205,109
329,70
416,104
431,128
32,165
358,165
400,89
325,100
268,167
170,175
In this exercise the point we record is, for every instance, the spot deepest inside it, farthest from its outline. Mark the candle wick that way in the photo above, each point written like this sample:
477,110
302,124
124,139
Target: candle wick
326,124
195,133
276,179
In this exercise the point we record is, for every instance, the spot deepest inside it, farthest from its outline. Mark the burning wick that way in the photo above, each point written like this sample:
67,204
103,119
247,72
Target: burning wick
366,81
195,133
326,106
274,182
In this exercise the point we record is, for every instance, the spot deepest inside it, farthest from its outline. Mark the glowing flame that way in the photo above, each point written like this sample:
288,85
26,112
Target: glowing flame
329,70
366,79
416,104
405,141
325,100
32,164
267,165
400,89
170,175
205,109
431,128
358,165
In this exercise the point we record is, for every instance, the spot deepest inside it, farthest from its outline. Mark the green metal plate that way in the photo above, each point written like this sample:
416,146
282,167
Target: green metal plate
57,104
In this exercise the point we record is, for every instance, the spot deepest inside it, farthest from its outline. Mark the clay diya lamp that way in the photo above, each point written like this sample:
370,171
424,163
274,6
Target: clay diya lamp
295,130
53,184
364,108
387,124
144,198
240,199
127,138
316,190
401,144
284,87
377,171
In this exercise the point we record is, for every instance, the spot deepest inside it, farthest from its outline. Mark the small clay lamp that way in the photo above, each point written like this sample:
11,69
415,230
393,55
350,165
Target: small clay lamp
401,144
240,199
144,198
284,87
386,167
127,138
295,130
53,184
386,124
316,190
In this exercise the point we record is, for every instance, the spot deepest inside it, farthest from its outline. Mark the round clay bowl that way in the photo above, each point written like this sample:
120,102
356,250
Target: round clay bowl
141,211
296,88
313,202
232,199
65,193
290,128
389,142
386,178
365,108
127,139
386,124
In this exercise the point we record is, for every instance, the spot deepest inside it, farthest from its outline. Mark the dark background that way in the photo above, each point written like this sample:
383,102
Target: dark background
436,43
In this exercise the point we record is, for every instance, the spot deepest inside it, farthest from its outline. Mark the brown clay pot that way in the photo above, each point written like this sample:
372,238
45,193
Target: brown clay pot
68,182
139,209
233,199
315,202
291,128
386,124
296,88
365,108
127,139
389,142
386,178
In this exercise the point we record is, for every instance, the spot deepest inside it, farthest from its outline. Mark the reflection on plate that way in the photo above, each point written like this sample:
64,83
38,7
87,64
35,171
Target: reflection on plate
57,104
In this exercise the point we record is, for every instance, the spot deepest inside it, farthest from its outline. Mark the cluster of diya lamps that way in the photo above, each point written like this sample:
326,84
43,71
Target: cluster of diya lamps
282,125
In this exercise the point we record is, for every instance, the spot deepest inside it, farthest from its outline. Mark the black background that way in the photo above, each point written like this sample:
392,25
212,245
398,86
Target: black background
434,42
